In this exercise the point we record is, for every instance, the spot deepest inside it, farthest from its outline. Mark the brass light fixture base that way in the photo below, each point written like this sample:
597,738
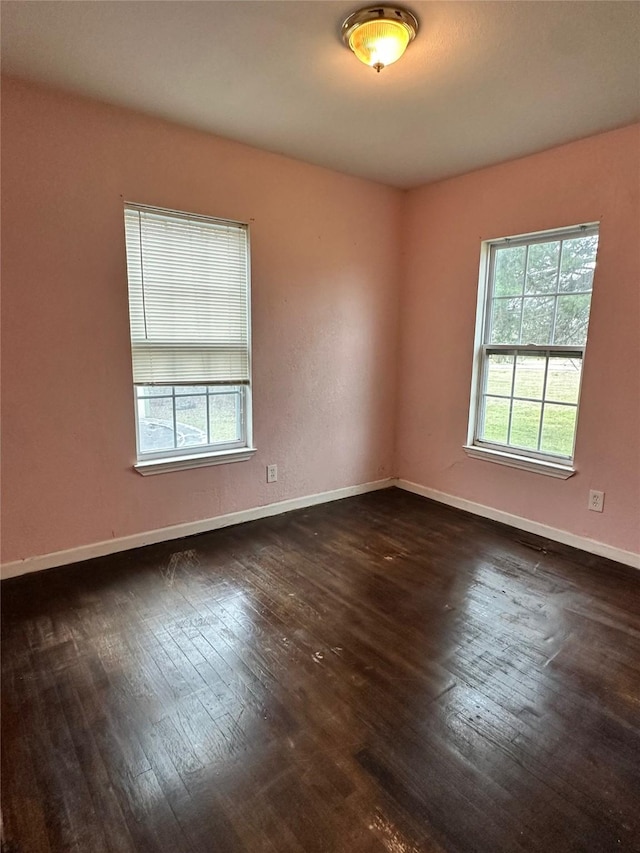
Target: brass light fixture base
379,35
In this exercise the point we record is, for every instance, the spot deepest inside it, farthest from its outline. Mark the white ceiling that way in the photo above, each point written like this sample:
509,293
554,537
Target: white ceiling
482,83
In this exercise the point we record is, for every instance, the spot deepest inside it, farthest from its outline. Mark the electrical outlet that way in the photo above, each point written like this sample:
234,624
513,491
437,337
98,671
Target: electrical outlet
596,500
272,473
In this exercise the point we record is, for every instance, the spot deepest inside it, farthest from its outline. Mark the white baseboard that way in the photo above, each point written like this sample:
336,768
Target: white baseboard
178,531
629,558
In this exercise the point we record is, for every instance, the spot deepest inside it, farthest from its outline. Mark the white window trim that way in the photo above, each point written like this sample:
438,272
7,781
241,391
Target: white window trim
195,460
552,466
525,463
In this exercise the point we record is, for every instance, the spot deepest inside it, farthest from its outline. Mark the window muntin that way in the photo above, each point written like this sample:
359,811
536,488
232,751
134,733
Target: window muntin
188,281
533,337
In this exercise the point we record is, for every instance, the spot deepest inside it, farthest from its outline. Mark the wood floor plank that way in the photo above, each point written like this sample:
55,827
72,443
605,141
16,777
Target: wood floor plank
381,674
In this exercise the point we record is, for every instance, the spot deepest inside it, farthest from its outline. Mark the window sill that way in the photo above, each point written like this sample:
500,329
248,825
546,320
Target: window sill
525,463
197,460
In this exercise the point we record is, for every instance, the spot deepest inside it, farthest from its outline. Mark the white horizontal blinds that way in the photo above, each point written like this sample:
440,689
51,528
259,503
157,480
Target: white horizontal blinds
188,298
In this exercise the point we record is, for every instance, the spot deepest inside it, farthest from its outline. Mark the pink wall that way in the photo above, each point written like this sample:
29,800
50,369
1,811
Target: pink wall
325,280
595,179
329,291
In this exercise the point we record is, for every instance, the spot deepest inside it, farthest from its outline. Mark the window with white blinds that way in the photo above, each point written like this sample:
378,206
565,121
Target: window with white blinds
190,335
188,298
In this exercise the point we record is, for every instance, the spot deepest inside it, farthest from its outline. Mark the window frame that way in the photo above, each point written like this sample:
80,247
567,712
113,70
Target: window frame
195,456
555,465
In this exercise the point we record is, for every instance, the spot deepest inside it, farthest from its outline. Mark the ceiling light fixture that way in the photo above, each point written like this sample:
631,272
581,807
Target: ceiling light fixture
379,35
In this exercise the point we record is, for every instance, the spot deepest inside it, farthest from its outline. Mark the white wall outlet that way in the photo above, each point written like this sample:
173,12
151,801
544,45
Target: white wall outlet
596,500
272,473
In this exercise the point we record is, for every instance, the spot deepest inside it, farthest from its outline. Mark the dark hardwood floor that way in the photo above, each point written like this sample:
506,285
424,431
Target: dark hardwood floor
378,674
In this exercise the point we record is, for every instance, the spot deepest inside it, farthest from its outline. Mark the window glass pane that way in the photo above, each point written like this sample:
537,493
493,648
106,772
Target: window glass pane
572,319
153,390
505,321
537,320
542,267
190,389
563,379
499,374
508,276
191,421
529,376
578,263
155,421
495,420
158,408
154,435
225,414
525,423
558,428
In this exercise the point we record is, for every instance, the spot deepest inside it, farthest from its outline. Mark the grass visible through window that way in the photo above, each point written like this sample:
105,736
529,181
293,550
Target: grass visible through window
558,421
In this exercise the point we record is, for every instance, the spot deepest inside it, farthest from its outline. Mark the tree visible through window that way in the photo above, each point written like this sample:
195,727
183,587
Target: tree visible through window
534,324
